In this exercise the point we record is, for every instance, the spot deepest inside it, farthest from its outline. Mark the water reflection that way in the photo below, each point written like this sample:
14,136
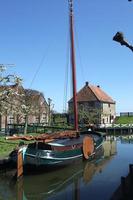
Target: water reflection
65,183
126,139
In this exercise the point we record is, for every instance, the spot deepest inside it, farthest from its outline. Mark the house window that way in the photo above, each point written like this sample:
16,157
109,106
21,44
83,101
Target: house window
37,119
109,105
11,119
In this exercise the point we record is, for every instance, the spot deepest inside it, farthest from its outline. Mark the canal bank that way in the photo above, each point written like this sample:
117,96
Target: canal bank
117,129
125,189
6,165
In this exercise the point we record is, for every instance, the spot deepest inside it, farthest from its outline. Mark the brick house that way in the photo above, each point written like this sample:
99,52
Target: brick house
92,99
38,107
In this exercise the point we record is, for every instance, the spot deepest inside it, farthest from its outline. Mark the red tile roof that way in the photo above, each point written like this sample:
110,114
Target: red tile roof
93,93
100,94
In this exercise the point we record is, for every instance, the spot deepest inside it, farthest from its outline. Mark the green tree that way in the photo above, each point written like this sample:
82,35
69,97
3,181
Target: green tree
89,115
17,101
7,83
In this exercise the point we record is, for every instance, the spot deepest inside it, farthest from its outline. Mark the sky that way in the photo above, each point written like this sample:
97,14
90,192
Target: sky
34,37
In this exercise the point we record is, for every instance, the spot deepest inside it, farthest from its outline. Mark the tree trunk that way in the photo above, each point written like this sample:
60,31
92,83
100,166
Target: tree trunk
26,125
0,121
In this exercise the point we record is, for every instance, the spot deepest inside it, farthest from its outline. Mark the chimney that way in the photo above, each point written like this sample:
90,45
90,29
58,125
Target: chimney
86,83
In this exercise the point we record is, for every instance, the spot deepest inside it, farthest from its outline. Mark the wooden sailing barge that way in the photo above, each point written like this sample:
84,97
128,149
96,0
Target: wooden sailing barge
62,147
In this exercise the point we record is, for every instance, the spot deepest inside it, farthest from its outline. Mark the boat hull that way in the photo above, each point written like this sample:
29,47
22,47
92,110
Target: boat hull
59,155
52,160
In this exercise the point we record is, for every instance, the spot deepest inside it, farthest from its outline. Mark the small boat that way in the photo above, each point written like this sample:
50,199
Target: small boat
62,147
59,149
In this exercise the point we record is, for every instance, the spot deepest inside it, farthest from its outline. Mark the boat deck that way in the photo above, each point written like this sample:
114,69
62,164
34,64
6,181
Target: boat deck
72,141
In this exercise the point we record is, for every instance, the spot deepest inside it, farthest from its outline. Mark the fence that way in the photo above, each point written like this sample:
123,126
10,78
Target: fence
116,129
126,114
32,128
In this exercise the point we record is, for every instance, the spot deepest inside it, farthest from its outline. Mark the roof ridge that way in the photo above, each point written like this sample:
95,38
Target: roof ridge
99,97
93,91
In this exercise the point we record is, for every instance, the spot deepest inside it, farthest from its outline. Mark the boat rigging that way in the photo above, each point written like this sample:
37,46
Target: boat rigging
60,148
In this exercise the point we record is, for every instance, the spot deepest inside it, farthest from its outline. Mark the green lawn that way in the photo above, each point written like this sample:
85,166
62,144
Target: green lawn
6,146
124,120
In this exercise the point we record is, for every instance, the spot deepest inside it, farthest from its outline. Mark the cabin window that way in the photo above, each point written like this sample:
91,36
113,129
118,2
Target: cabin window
43,146
32,145
40,145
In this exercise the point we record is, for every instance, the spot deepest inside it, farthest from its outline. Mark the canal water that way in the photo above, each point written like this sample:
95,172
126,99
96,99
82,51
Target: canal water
94,180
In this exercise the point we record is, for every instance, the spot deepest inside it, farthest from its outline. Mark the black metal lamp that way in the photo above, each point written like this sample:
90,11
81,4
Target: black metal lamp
119,37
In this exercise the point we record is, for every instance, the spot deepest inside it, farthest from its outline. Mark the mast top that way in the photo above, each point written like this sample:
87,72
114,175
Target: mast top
71,6
70,1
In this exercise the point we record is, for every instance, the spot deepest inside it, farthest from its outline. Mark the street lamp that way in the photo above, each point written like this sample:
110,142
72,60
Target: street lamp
119,37
49,112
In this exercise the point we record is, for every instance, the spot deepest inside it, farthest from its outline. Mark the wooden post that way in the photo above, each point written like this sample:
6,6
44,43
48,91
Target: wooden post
123,186
19,164
0,121
120,129
106,131
128,129
114,131
20,189
131,172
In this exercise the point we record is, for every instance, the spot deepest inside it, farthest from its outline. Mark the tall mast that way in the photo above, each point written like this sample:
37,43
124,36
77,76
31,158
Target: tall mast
73,64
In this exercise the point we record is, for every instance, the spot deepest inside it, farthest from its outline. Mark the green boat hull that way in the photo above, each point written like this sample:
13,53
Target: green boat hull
60,155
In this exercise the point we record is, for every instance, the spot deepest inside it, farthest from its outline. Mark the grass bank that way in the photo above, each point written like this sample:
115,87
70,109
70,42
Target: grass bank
6,146
124,120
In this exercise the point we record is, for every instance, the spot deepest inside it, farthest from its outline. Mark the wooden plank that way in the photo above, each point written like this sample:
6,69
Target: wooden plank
20,189
20,164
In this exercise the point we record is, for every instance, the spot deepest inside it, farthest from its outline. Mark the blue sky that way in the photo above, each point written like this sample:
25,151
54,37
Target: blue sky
34,36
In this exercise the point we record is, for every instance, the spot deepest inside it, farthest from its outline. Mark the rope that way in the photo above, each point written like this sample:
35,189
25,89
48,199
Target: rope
38,69
39,66
66,69
79,55
66,77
